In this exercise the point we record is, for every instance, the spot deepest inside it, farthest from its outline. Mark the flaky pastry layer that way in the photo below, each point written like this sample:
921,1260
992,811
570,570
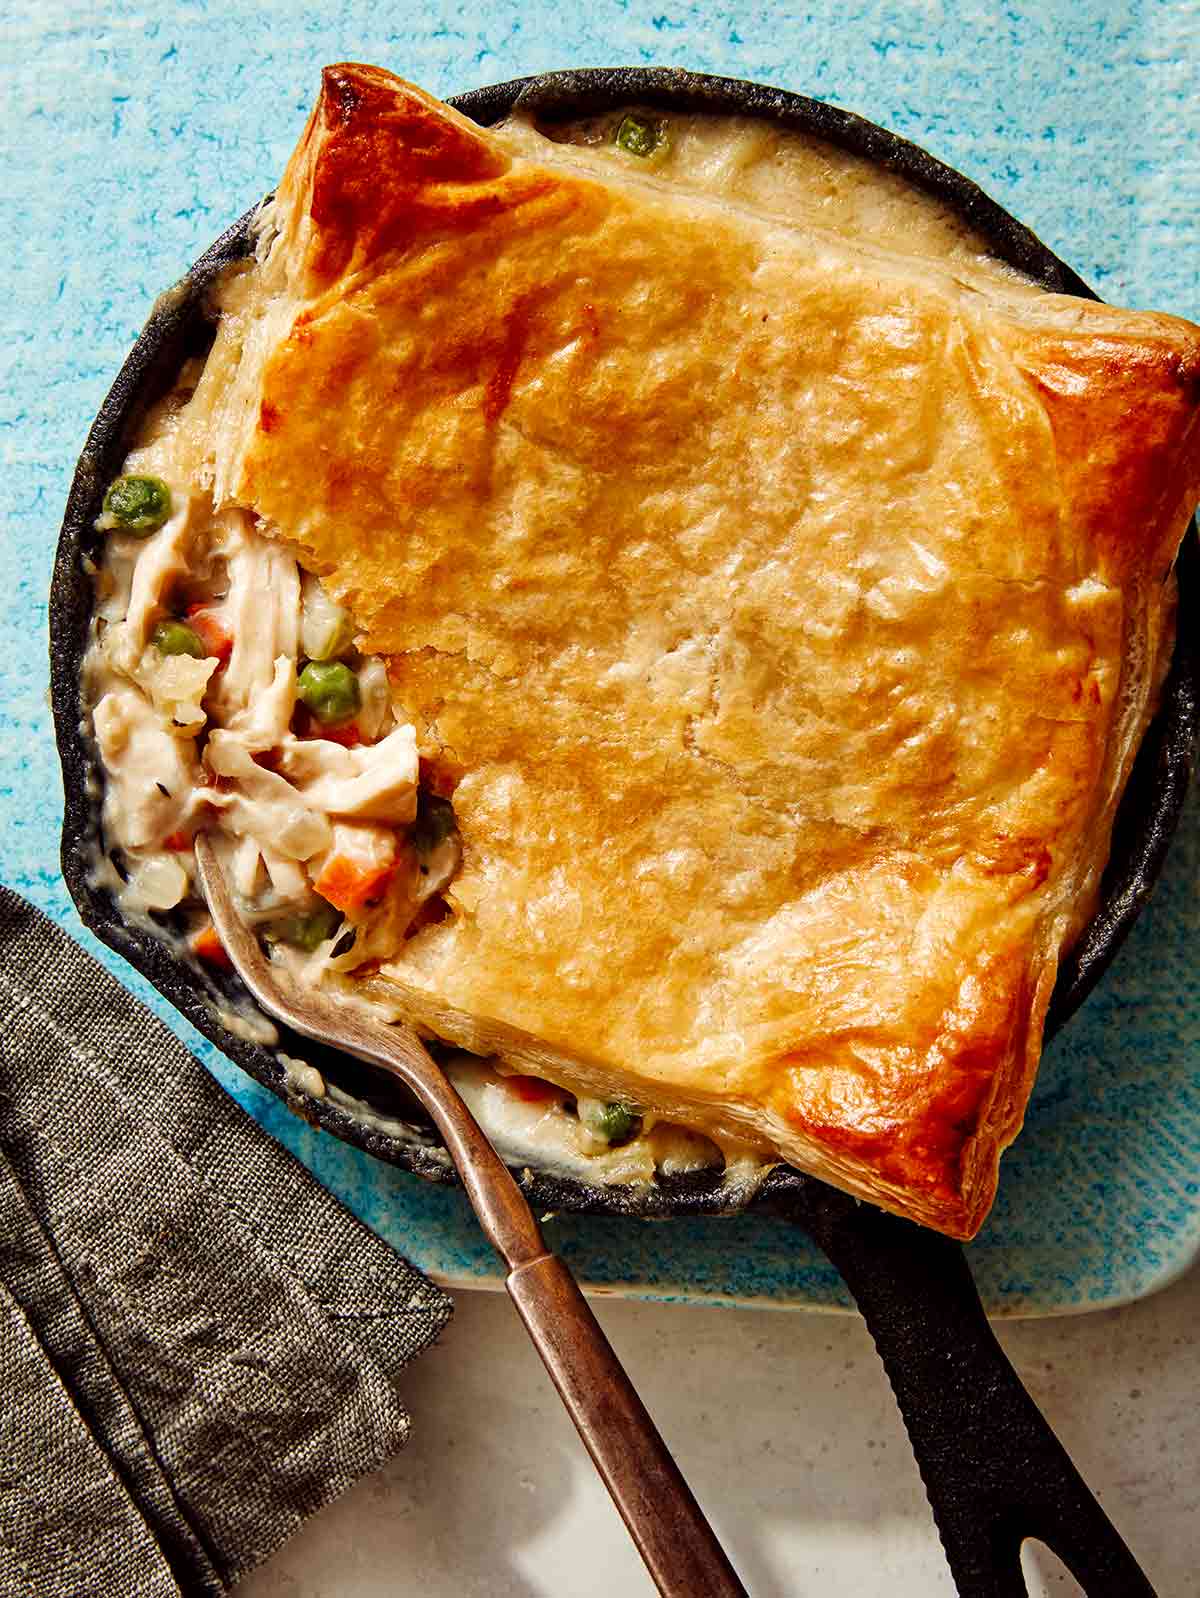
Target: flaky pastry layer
788,604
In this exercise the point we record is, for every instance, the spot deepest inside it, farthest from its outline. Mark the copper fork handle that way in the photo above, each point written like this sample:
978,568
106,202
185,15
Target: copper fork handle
679,1547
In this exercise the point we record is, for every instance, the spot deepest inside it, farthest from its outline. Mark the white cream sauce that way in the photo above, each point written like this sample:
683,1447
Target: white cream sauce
799,179
188,743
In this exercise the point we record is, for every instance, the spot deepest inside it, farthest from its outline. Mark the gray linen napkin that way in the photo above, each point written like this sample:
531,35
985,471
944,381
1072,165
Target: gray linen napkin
198,1344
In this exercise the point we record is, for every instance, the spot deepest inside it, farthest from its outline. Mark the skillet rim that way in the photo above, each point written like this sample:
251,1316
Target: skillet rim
1146,819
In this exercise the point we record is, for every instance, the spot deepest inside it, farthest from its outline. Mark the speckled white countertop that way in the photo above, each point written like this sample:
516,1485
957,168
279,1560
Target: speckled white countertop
787,1431
133,137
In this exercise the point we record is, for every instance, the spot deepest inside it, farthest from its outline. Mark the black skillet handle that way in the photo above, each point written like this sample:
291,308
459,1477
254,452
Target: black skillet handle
994,1471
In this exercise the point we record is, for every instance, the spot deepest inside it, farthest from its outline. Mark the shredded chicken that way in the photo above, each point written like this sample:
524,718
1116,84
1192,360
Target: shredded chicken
312,824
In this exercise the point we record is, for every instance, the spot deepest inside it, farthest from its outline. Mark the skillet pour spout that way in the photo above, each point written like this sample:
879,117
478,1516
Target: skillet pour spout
992,1467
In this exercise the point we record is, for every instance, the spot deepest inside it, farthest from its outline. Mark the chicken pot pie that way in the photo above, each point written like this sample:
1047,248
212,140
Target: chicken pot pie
658,606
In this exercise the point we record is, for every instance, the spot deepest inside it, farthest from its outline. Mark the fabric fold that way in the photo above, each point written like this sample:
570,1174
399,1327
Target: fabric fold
215,1338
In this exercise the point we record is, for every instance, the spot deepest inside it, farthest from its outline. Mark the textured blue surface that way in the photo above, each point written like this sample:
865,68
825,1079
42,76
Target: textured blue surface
130,141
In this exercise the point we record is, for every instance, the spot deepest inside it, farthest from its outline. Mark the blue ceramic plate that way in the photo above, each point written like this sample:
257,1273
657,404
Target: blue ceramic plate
1099,1198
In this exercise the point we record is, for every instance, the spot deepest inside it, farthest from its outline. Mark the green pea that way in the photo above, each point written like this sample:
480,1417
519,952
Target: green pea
615,1123
177,638
330,690
434,824
137,504
636,136
308,931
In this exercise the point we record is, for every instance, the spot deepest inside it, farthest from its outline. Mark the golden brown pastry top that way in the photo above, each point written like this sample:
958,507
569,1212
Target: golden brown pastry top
789,606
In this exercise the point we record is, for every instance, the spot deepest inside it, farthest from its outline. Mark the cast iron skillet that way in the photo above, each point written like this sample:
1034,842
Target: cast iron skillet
993,1469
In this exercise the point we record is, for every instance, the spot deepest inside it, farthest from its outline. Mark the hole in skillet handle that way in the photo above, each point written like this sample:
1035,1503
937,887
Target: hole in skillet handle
994,1471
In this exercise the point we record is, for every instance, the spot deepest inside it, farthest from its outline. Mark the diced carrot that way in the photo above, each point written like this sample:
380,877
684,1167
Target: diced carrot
531,1089
346,734
177,841
215,637
349,885
207,946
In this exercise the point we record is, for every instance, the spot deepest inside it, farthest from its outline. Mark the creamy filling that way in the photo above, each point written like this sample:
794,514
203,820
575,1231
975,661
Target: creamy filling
317,824
752,162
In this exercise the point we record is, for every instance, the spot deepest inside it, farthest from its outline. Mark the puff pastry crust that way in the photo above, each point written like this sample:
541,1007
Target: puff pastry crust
788,605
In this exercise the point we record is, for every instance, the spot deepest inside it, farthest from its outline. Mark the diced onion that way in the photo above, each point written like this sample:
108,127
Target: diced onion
326,630
375,712
159,882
